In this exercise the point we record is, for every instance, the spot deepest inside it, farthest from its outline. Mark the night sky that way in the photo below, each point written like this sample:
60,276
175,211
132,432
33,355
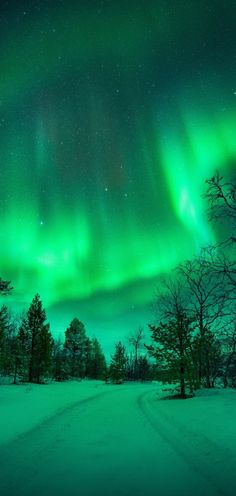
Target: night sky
112,115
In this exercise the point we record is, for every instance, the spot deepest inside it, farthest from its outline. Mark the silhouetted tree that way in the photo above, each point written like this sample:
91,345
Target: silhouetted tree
173,336
59,366
97,362
5,287
207,295
144,369
41,342
24,338
228,350
118,364
221,197
136,340
4,339
75,346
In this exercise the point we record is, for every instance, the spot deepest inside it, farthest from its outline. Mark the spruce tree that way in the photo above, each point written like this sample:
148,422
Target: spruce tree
59,361
40,340
97,361
24,349
118,364
144,370
172,348
4,334
5,287
75,347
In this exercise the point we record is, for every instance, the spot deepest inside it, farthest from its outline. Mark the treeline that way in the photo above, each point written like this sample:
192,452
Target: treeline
194,331
29,353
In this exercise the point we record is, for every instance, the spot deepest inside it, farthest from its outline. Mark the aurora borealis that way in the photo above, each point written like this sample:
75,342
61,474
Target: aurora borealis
112,115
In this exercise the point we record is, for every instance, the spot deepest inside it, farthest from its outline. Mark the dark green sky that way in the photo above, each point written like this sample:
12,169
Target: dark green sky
112,114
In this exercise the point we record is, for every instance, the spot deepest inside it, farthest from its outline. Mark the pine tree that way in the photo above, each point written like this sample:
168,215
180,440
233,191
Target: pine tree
4,334
45,352
172,348
118,364
40,340
88,358
24,349
59,362
97,361
144,371
75,348
5,287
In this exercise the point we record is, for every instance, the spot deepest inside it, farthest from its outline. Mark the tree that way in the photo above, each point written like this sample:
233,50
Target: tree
59,368
208,300
221,197
173,348
144,369
5,287
97,362
45,352
4,338
173,336
228,345
41,341
118,364
75,347
136,340
24,349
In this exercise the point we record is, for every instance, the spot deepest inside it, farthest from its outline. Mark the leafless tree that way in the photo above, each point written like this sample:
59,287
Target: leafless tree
221,197
136,341
208,302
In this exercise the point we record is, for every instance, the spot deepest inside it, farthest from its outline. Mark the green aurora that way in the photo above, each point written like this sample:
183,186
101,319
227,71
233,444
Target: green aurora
112,116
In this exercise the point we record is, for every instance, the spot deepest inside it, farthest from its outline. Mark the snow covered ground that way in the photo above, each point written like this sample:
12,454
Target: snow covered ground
88,438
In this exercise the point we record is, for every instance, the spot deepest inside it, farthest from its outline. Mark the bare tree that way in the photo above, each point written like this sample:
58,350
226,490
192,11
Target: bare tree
208,301
136,340
221,196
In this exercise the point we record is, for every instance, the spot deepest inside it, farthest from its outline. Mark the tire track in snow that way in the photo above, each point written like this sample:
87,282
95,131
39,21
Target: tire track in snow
176,438
25,448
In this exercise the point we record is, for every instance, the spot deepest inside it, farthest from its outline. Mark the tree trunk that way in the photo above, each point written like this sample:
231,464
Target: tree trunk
182,384
208,374
182,365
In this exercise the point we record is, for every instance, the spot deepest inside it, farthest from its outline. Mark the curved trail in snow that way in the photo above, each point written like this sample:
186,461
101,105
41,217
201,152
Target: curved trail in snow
183,442
116,442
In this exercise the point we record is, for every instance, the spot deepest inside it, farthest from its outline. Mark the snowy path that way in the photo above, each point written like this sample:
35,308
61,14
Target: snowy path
118,441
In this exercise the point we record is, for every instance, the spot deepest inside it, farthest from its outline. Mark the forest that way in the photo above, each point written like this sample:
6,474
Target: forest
192,336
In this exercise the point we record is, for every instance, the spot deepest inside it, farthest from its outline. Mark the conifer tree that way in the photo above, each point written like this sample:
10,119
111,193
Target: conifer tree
4,331
75,348
88,358
5,287
41,341
144,371
118,364
24,349
97,361
59,361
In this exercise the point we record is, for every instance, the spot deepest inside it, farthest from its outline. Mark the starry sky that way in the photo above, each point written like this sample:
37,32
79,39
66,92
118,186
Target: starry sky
112,115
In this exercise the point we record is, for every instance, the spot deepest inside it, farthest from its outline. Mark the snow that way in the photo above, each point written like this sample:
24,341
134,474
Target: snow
24,407
89,438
